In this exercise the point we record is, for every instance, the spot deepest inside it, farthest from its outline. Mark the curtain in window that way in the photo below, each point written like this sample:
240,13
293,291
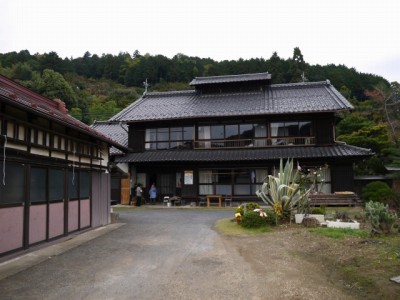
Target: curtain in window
205,177
326,176
204,134
260,131
147,139
274,132
261,174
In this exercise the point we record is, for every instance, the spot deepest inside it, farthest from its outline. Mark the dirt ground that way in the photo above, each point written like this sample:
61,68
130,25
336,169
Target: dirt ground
303,265
179,254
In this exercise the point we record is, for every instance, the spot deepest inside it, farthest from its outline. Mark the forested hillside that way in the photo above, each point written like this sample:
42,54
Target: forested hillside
96,87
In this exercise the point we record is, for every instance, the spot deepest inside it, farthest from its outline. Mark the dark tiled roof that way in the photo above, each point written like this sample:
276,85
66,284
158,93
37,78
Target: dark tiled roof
20,96
264,154
118,132
230,78
275,99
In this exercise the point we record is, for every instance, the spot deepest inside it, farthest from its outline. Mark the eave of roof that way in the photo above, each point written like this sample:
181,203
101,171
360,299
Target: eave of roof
118,131
230,78
246,155
25,99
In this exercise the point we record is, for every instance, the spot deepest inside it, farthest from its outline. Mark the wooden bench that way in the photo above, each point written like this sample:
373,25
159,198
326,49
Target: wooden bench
336,199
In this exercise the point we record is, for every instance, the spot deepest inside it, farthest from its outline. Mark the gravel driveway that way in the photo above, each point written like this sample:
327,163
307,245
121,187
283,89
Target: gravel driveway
165,254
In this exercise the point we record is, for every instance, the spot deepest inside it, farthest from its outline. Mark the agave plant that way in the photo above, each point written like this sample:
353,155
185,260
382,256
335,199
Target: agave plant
284,190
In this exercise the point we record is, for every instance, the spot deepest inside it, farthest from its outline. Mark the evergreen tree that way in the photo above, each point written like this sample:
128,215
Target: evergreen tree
297,66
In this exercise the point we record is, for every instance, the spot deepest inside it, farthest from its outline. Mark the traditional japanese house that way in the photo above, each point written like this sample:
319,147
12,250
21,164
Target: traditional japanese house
54,170
224,136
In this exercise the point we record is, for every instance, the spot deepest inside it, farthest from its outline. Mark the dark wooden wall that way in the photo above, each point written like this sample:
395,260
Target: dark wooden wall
324,131
136,139
342,177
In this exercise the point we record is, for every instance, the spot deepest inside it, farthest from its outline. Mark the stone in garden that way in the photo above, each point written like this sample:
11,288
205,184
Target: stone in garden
310,222
395,279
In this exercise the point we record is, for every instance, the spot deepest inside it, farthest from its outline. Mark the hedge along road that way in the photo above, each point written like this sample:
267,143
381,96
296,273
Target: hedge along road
161,254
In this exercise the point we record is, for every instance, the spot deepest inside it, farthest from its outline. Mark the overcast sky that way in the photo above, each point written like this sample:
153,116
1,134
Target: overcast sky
363,34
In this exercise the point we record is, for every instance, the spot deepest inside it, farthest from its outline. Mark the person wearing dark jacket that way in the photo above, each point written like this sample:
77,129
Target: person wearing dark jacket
139,193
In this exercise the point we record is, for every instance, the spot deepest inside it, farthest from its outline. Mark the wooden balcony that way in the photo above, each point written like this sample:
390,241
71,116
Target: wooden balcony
256,143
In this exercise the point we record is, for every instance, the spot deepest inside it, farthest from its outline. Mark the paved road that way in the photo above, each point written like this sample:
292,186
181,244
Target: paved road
158,254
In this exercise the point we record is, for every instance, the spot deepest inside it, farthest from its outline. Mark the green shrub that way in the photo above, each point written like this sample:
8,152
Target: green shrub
382,221
378,191
317,211
250,206
252,219
272,218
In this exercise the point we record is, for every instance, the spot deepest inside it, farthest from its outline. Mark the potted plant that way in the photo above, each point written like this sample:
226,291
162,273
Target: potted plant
342,220
302,210
318,213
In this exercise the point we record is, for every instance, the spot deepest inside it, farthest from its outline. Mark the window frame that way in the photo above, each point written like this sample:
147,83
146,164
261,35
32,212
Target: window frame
37,181
17,188
154,141
211,181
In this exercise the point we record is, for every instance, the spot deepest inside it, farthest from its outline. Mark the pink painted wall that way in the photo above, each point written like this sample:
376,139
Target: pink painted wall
73,216
85,213
56,219
11,228
37,223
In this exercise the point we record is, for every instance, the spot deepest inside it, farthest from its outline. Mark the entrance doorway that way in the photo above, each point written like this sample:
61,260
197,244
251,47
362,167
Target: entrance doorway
166,184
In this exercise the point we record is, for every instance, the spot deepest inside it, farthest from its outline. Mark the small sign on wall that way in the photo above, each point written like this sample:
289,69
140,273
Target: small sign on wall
188,178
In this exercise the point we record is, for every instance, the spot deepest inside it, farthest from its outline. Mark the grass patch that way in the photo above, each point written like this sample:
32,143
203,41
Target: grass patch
227,227
123,208
369,270
340,233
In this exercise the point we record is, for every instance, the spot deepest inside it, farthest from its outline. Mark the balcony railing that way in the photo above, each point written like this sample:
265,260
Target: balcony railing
256,142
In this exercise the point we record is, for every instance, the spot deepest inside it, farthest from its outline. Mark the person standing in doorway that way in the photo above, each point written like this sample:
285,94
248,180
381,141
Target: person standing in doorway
133,195
153,194
139,193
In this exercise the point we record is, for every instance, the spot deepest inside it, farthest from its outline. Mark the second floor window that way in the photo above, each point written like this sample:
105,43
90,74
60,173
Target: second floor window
292,132
240,135
232,135
169,138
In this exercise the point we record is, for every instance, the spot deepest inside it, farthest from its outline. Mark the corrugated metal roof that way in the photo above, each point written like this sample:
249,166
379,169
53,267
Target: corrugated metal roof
229,155
275,99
